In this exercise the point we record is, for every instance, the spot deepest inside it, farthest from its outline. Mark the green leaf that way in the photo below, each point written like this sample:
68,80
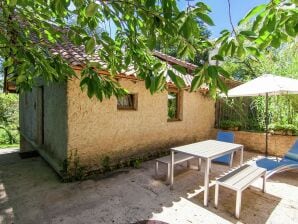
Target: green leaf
147,82
197,81
178,81
205,18
252,13
271,23
223,72
290,29
78,3
90,46
186,26
13,3
180,69
91,9
152,86
224,31
10,69
275,42
151,42
90,90
149,3
203,6
221,85
8,62
258,21
223,38
233,48
253,51
160,82
212,71
217,57
240,52
84,82
248,33
20,79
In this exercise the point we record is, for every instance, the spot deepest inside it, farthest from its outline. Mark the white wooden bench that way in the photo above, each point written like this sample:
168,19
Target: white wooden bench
178,158
238,180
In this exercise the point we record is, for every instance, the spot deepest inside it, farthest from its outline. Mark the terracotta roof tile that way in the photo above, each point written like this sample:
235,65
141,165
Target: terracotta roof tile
76,56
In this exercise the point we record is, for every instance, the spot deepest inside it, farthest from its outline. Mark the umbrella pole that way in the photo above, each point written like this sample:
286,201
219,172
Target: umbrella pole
266,123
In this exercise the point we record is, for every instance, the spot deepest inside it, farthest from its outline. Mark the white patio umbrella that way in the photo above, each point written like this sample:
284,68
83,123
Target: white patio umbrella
266,85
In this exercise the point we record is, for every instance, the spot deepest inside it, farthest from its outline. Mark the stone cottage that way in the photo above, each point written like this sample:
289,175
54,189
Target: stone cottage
63,124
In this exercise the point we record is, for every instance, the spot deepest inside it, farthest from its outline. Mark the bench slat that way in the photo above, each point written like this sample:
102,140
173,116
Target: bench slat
241,177
249,179
178,158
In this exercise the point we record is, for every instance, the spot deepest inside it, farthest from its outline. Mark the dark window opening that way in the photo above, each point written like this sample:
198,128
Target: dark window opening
127,102
174,105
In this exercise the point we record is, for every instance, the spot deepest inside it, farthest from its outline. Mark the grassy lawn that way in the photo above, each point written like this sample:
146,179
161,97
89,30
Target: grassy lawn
2,146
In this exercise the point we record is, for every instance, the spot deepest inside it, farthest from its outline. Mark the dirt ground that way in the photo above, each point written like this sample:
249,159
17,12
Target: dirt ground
30,192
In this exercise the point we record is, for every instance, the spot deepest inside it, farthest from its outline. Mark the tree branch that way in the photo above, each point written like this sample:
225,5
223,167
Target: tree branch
230,18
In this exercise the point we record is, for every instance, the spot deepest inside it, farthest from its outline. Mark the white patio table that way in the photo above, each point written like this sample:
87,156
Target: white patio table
206,150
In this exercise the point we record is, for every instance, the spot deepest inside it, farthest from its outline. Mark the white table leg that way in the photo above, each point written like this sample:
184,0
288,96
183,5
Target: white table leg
241,156
216,195
156,169
231,160
172,170
199,163
264,183
206,182
188,164
238,204
168,173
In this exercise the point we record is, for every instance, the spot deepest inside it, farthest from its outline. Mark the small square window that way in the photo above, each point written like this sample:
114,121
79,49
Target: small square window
127,102
174,105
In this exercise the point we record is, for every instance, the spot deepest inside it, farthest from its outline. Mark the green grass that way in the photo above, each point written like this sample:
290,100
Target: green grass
2,146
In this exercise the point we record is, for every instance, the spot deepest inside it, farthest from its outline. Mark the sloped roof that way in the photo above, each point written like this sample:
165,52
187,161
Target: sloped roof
175,61
76,56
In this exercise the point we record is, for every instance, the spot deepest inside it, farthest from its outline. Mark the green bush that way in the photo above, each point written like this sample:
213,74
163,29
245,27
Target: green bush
284,128
226,124
8,136
9,119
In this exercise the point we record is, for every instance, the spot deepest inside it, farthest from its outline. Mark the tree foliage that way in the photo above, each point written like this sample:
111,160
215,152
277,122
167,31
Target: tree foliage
272,24
282,61
9,118
283,110
28,29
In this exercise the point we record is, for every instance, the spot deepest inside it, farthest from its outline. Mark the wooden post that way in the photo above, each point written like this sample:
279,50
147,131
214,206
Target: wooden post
266,124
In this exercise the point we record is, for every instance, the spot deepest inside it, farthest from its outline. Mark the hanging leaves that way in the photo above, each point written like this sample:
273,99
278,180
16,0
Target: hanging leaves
32,28
91,9
252,13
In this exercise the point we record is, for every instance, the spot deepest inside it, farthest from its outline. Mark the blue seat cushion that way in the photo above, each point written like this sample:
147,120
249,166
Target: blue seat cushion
293,152
224,136
292,156
223,159
271,164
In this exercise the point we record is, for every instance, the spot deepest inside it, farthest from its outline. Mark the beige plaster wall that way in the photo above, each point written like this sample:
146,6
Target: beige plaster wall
97,129
278,145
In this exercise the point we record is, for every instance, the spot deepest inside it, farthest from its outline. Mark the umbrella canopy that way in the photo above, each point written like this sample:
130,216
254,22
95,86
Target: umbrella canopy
266,84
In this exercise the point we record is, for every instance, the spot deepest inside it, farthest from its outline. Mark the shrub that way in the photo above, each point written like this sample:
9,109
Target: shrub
226,124
284,128
8,136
